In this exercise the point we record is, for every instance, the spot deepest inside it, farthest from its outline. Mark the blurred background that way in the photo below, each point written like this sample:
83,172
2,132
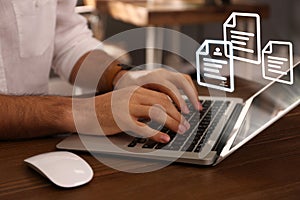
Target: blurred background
199,19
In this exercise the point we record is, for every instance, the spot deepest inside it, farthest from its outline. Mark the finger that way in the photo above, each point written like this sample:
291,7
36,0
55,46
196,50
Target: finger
188,88
161,137
158,114
153,98
145,131
170,89
179,125
189,79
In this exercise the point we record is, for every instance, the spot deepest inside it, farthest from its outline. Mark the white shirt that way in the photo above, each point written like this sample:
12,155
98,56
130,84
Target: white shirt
36,35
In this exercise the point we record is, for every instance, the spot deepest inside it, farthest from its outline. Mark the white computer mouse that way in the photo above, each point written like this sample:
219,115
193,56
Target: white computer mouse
63,168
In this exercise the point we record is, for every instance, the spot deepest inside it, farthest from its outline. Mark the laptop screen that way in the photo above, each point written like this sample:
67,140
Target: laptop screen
268,106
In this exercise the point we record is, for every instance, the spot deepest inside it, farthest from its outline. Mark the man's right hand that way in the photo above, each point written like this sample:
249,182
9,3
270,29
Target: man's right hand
120,111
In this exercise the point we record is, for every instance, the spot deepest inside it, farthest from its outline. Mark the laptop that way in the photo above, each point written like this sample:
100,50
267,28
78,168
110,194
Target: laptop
222,127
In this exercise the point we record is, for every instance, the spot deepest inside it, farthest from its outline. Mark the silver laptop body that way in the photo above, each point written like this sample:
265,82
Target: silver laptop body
238,123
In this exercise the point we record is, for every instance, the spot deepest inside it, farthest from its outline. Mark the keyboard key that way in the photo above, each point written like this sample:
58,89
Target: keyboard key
187,144
141,140
177,143
164,130
179,140
197,137
198,148
133,143
172,148
190,149
200,130
172,134
150,144
218,103
160,146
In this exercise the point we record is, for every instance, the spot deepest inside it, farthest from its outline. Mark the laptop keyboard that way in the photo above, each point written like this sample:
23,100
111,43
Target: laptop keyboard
202,124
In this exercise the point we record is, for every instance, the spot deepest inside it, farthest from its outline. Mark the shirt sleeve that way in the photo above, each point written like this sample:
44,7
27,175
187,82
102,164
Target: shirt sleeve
72,38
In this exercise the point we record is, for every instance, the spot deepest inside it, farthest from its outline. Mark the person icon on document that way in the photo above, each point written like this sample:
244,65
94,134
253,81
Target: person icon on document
218,52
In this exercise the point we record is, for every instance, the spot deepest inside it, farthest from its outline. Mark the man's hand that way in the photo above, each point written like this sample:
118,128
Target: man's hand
163,81
121,110
144,95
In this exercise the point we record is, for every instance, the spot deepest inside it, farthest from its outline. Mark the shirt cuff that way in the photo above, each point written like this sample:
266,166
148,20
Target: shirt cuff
71,57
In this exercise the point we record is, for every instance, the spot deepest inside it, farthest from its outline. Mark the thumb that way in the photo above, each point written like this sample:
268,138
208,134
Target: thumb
153,134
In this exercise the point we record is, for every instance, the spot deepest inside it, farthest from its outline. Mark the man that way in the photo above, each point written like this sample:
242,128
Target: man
38,34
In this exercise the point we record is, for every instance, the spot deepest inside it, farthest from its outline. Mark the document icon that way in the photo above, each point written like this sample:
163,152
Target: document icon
246,44
214,60
277,63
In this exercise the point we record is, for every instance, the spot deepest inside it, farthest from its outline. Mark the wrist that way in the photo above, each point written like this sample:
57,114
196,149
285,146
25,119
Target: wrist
67,124
106,83
118,77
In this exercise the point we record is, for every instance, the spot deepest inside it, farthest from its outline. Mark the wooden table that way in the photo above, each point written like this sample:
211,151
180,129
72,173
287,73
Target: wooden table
265,168
171,13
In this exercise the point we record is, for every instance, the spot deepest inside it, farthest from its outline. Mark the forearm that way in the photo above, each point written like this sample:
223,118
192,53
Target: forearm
34,116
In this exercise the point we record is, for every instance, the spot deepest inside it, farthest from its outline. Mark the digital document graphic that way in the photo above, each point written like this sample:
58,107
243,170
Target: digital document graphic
214,58
277,59
246,44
